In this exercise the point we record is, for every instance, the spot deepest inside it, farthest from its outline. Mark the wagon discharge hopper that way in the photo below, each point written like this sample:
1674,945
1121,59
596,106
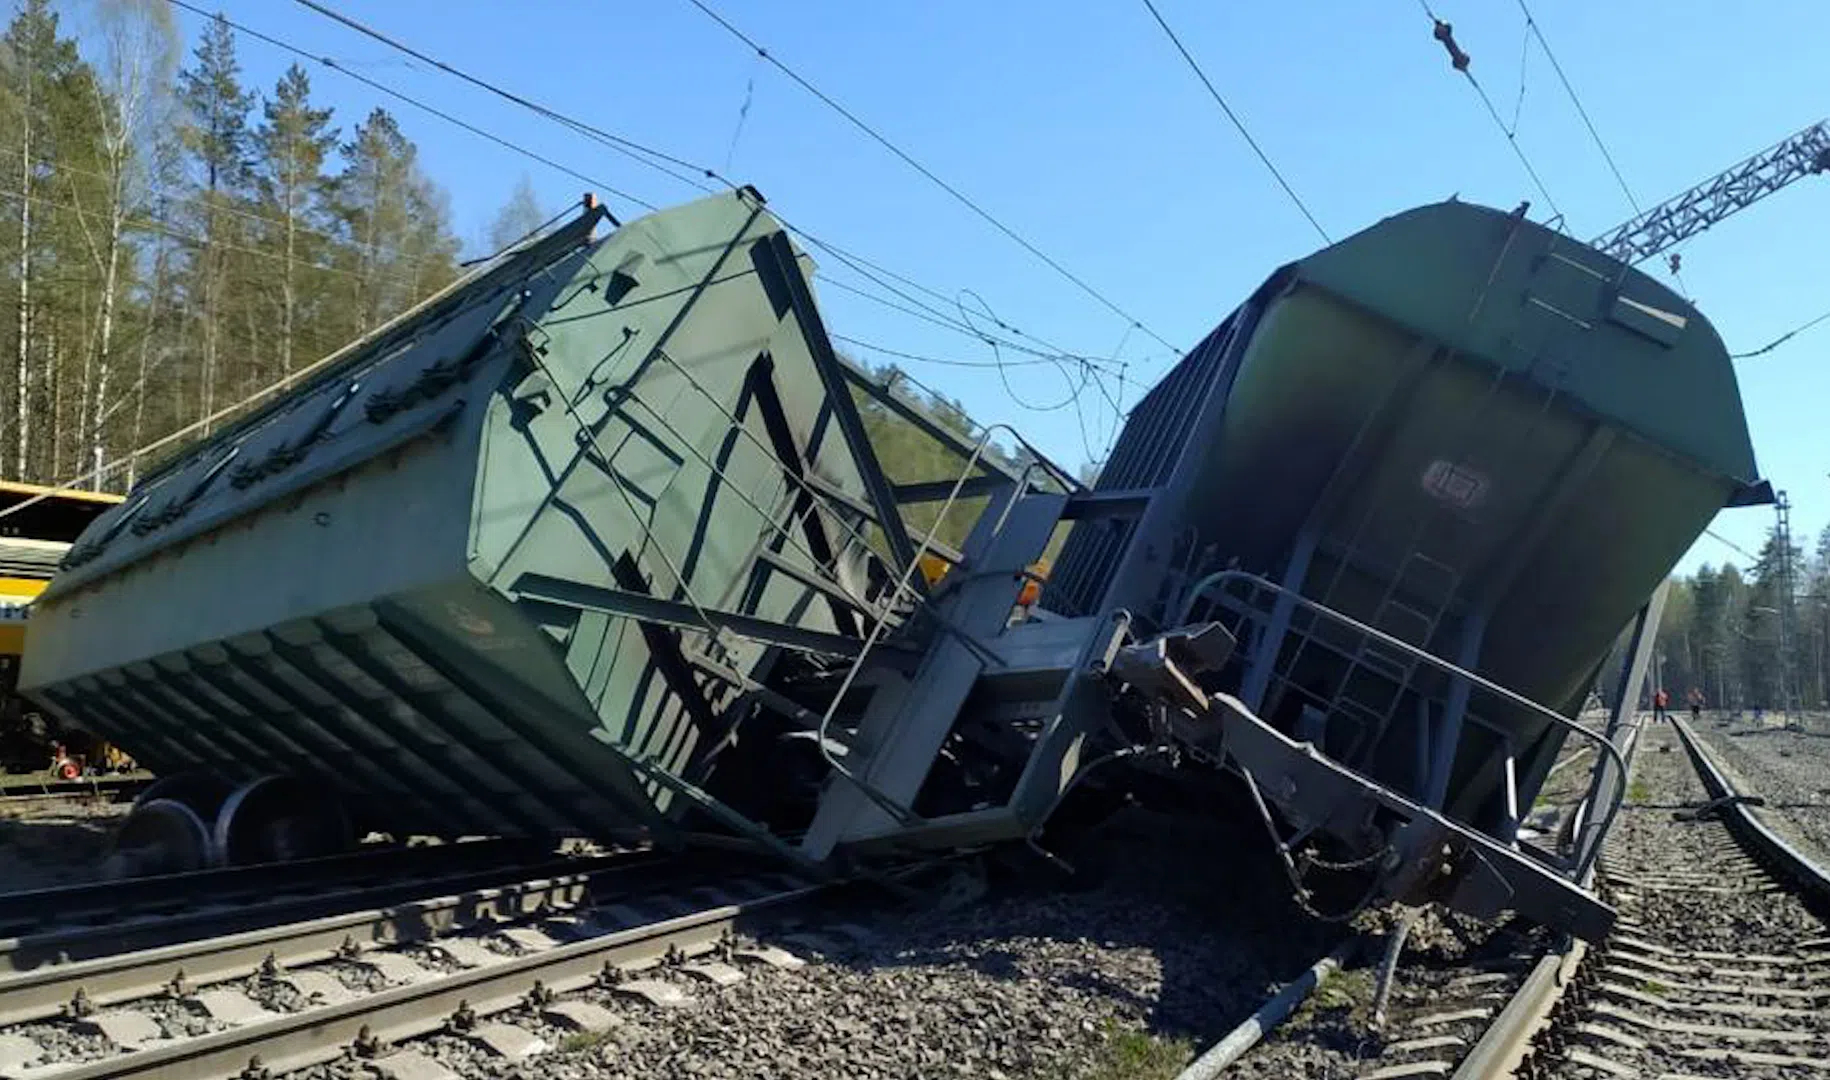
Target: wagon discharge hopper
1422,479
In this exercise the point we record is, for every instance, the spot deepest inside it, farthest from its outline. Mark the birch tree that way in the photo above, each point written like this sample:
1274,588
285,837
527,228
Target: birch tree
139,51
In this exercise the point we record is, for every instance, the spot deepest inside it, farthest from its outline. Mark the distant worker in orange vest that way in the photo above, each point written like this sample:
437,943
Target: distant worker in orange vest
1660,701
1696,705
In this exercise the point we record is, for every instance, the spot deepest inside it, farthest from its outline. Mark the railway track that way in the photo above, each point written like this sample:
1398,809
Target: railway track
283,997
1714,967
75,923
112,902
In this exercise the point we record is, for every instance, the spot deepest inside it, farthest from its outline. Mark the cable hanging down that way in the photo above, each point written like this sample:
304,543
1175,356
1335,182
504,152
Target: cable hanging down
858,263
1237,123
1092,370
1781,339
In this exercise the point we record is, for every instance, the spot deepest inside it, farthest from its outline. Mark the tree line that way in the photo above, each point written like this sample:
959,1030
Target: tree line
1728,632
174,241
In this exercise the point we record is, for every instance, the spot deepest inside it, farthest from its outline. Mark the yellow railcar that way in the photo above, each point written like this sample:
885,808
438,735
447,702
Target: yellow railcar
37,526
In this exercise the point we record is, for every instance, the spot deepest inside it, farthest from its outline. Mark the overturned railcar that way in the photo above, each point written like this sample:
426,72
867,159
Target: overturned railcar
1424,477
441,583
607,540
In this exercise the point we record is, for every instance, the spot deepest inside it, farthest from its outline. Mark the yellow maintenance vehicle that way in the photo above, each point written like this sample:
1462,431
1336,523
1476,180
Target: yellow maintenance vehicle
37,526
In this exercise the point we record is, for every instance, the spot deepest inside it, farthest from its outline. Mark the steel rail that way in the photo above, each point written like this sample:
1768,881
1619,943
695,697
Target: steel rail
109,901
1503,1047
1505,1044
47,991
314,1035
1804,872
34,952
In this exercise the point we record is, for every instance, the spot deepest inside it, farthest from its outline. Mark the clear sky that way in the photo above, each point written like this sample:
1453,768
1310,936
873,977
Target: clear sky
1078,125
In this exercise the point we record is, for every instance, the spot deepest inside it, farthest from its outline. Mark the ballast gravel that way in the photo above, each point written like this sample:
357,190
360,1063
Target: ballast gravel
1788,767
1187,930
1683,884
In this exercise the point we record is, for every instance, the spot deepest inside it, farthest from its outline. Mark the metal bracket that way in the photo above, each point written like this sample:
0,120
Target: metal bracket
1714,808
1482,875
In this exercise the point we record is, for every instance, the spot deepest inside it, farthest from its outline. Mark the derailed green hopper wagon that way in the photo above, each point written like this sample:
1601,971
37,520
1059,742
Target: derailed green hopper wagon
409,584
607,539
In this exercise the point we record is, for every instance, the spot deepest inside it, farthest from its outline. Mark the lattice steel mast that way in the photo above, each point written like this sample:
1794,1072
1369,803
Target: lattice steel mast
1677,219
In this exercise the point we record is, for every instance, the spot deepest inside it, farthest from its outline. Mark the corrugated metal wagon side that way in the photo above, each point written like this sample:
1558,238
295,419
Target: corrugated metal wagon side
409,580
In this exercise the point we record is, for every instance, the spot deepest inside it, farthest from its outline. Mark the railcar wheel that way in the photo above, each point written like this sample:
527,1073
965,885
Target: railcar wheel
163,836
277,819
203,793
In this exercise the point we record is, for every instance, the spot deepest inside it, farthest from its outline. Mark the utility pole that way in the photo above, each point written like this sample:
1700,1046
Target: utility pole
1782,509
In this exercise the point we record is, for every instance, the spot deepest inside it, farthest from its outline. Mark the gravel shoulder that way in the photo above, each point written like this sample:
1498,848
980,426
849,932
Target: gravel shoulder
1789,767
1177,927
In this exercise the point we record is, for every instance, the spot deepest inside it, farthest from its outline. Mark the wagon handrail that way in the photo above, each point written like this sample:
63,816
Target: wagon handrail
1224,577
901,588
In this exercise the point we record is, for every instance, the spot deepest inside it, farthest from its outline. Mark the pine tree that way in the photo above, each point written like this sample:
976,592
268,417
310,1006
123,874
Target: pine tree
372,201
218,140
396,220
293,143
1769,627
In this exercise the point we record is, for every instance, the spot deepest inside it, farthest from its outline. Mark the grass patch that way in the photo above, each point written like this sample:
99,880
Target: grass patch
583,1040
1130,1054
1346,992
1639,792
1653,986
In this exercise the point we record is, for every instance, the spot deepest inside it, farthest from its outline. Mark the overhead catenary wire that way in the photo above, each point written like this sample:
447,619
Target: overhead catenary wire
843,255
1531,24
668,163
1726,542
432,110
941,361
1237,123
1781,339
655,159
629,147
908,159
1462,62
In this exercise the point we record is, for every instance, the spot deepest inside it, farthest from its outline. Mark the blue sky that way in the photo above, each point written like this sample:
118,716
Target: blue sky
1081,128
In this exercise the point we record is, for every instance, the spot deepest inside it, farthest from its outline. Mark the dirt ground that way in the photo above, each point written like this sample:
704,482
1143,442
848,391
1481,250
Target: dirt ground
54,842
